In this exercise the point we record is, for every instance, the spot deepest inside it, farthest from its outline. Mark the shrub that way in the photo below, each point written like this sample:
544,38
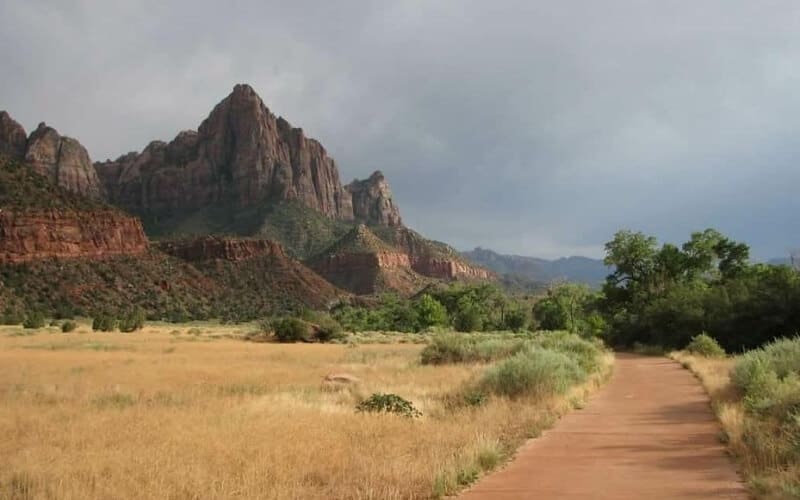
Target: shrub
291,330
770,379
104,323
461,348
533,373
388,403
33,320
468,319
515,320
430,312
328,329
132,321
706,346
585,353
68,326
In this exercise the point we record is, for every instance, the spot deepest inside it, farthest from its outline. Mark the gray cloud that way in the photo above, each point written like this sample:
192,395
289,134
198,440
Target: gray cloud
529,127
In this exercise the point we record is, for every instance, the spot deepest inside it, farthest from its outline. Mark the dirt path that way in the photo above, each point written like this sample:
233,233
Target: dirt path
649,434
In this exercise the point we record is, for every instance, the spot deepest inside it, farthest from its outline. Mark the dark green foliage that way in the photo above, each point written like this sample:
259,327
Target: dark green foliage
706,346
104,322
388,403
664,296
326,328
68,326
132,321
515,320
33,320
292,330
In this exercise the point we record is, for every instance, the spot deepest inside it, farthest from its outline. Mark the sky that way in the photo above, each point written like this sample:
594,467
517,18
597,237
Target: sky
529,127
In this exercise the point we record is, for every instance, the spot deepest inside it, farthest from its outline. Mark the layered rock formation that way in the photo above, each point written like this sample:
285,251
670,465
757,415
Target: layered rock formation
61,159
255,266
67,234
432,258
213,247
363,264
372,201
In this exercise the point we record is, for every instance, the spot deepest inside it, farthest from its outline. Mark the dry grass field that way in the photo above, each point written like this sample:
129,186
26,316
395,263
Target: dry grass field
194,412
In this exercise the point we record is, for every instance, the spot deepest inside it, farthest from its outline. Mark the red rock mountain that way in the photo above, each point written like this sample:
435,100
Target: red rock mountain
40,220
240,156
364,264
61,159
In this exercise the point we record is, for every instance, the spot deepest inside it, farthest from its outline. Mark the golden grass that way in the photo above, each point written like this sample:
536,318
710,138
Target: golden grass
751,440
179,412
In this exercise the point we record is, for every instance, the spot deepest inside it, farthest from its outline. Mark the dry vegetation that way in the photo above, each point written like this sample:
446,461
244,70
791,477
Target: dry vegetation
766,454
194,412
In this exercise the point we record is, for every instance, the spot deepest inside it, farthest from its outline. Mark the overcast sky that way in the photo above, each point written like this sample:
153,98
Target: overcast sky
530,127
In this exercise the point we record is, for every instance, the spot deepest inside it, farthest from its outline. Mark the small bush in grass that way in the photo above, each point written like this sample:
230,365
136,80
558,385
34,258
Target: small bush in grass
33,320
328,329
68,326
388,403
468,348
132,321
104,323
533,373
291,330
706,346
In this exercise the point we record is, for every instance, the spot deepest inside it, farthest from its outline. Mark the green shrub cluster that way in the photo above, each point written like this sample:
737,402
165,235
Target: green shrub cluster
33,320
104,322
534,372
706,346
388,403
68,326
465,348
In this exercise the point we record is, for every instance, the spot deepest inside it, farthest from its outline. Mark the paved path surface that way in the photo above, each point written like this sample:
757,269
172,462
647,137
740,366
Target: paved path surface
649,434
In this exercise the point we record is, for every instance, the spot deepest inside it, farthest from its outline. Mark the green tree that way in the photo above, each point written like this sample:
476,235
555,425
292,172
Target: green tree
430,312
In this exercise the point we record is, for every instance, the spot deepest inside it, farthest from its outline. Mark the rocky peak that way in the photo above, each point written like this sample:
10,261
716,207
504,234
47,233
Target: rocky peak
372,201
12,137
63,160
240,156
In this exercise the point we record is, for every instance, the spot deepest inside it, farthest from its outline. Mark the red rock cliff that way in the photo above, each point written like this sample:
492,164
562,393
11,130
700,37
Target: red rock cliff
241,155
233,249
372,201
43,234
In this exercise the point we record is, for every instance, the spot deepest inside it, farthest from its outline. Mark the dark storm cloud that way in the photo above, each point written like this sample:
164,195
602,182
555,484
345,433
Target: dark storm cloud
529,127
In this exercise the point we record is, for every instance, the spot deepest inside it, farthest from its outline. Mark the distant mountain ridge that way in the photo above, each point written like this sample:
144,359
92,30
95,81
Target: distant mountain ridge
573,269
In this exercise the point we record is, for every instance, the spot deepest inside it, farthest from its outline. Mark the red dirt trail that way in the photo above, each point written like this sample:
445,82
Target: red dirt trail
648,434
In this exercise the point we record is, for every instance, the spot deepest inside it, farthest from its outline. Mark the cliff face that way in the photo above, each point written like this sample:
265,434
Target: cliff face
241,155
232,249
372,201
12,137
434,259
364,264
61,159
68,234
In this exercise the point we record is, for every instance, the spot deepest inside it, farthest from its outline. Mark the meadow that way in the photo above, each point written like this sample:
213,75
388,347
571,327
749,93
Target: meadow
193,411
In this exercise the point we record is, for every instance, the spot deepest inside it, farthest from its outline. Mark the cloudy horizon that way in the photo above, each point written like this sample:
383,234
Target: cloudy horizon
526,127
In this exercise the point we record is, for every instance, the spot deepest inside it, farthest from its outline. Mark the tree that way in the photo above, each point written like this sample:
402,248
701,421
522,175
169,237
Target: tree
430,312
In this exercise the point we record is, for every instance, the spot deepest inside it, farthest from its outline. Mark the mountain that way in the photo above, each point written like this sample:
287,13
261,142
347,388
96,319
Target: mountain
242,157
364,264
574,269
61,159
249,173
234,208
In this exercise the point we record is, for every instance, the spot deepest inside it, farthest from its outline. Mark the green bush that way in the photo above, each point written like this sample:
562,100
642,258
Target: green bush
104,323
33,320
132,321
468,348
587,354
388,403
68,326
328,329
533,373
430,312
515,320
706,346
770,378
291,330
468,319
